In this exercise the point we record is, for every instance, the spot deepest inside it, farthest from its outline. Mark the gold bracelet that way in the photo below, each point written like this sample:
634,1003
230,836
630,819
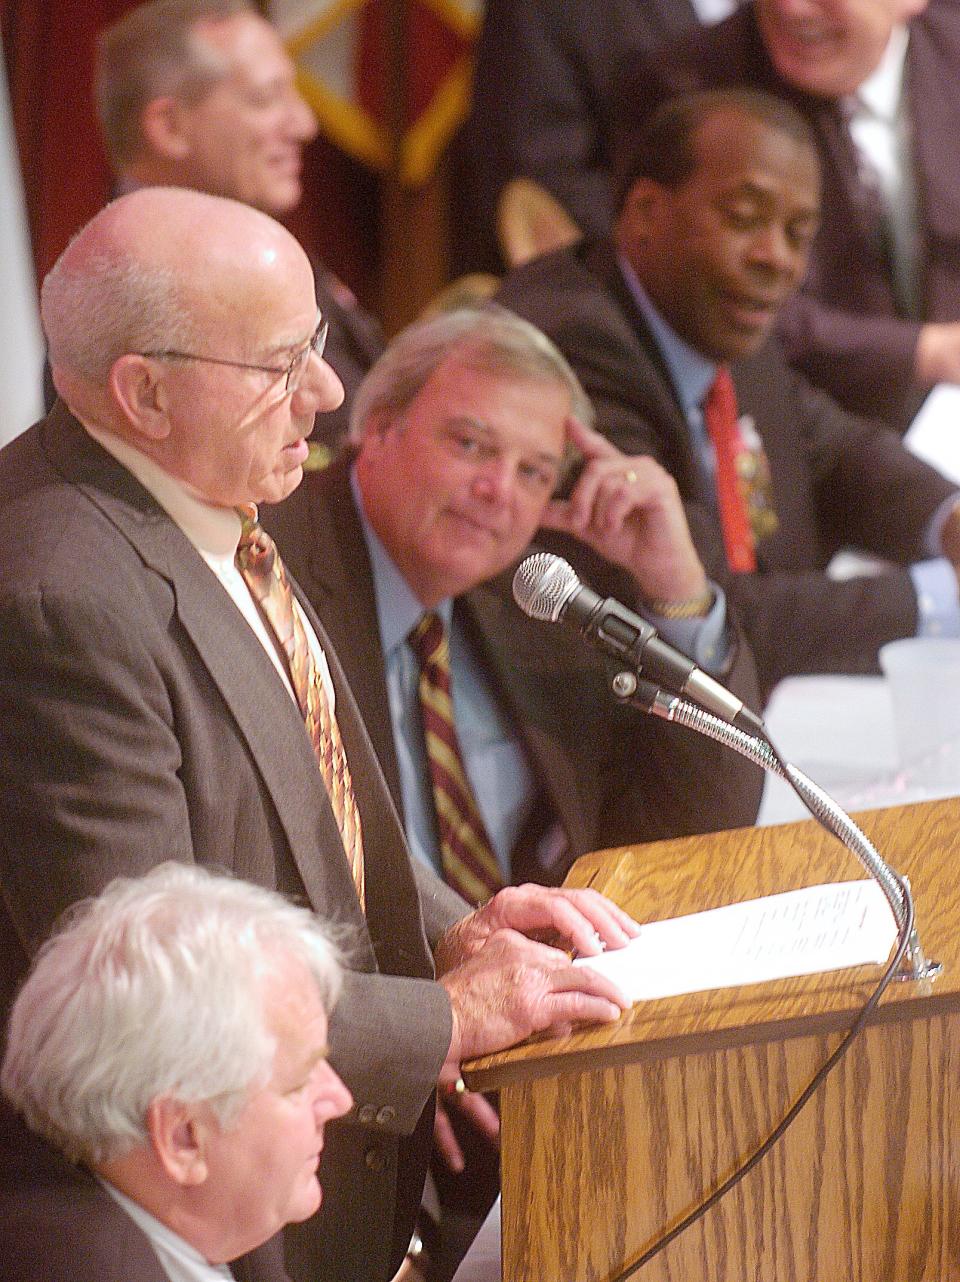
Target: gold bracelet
697,607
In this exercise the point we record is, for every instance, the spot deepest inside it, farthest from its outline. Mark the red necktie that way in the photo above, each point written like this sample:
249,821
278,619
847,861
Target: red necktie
264,573
466,855
720,416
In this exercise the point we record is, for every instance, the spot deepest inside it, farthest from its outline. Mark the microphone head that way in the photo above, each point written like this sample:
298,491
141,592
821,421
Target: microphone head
543,584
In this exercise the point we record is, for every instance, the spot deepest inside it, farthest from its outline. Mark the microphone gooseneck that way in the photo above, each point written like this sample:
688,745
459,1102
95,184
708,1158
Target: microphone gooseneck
547,588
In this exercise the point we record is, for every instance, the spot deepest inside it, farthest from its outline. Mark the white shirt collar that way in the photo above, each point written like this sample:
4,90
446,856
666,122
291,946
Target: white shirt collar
214,531
179,1260
880,93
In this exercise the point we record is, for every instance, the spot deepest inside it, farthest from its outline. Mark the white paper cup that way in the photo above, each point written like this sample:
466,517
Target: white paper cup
924,678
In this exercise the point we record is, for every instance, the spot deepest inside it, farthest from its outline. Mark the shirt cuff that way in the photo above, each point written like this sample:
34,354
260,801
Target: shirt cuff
707,641
933,540
938,599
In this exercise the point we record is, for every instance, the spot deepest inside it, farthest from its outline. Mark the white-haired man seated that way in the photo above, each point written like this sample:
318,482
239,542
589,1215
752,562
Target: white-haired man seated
166,1064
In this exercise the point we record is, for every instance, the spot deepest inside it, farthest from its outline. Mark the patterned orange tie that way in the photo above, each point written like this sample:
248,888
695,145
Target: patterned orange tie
263,572
720,416
469,863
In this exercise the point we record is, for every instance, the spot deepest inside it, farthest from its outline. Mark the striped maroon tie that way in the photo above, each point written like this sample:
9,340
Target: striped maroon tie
469,863
264,574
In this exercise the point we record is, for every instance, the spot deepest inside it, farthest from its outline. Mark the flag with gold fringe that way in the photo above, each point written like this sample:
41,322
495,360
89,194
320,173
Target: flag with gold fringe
389,80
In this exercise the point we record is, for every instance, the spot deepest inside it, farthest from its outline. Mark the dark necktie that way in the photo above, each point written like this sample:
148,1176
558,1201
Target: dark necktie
720,417
870,194
263,572
895,233
872,205
469,863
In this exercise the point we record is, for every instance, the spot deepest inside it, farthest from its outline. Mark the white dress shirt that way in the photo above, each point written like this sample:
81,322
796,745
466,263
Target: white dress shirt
215,533
179,1260
711,11
880,130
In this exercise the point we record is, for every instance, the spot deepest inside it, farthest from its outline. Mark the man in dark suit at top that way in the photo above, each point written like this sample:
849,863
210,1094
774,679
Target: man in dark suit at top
877,319
719,205
164,693
202,94
545,71
167,1085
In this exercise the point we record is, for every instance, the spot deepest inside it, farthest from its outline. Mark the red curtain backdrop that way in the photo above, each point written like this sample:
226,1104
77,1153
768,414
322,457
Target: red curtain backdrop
49,53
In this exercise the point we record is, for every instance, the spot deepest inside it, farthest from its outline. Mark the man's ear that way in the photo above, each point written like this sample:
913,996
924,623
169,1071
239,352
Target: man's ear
162,128
376,429
639,213
179,1134
140,393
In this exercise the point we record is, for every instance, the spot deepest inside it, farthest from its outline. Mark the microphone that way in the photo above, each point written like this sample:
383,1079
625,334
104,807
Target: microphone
547,587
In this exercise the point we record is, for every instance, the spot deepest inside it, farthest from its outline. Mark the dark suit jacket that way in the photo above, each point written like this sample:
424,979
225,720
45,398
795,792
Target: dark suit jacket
141,720
541,98
354,342
606,773
837,480
844,329
58,1224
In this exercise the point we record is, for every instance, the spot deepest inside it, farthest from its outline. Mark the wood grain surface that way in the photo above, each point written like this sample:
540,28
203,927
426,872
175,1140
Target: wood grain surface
611,1136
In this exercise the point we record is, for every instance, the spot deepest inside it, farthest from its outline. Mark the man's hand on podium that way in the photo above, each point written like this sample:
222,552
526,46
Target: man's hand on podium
583,920
505,983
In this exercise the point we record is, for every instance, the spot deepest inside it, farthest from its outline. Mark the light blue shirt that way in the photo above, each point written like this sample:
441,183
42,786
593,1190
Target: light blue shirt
934,581
493,756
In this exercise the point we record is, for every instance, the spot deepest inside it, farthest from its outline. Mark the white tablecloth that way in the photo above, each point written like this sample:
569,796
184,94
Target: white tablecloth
839,731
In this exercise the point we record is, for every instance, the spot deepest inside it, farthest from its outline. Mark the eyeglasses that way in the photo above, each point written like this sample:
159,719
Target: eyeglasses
292,373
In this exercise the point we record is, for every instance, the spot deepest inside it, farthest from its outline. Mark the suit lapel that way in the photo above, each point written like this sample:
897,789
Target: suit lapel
273,729
335,574
243,673
844,190
932,60
319,535
513,655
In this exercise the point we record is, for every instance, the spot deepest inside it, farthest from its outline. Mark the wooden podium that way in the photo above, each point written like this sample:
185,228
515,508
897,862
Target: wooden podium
613,1135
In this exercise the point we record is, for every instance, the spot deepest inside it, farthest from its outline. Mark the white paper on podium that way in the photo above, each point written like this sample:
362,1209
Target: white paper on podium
802,932
934,434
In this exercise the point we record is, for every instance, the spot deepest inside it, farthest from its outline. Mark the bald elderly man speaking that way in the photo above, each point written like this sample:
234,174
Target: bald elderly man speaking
165,694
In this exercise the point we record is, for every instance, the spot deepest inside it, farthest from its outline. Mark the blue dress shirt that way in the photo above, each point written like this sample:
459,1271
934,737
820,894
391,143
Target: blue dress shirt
492,752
